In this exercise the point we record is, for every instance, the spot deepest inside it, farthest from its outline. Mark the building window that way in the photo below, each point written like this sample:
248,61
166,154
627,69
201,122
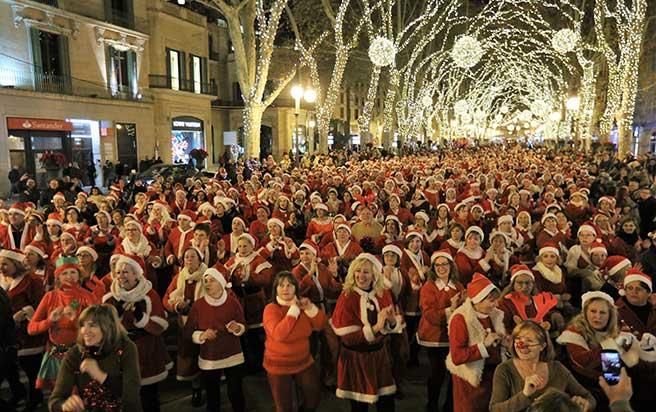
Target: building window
174,69
122,71
120,12
196,73
50,57
357,114
341,98
341,113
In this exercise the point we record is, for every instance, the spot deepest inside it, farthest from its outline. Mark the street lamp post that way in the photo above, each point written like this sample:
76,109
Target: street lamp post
310,96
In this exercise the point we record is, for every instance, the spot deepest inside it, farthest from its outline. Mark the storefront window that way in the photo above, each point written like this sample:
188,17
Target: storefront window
186,135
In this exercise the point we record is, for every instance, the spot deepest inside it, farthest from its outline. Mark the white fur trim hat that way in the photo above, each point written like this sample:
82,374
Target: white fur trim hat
378,267
16,255
635,275
392,249
505,219
517,270
475,229
443,254
586,228
422,215
479,288
277,222
89,250
596,295
248,237
215,274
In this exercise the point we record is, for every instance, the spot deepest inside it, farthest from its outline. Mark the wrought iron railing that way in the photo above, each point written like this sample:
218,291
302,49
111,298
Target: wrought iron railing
159,81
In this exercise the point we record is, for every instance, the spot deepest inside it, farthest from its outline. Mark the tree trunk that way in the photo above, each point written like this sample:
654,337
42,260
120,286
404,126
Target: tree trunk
623,138
252,122
325,112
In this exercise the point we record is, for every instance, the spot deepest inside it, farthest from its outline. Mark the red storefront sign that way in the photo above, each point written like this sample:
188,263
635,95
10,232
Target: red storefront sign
23,123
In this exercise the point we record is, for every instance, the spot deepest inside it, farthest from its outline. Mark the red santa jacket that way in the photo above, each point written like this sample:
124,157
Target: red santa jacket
414,267
25,293
251,278
435,303
178,241
7,240
469,262
317,287
346,254
209,313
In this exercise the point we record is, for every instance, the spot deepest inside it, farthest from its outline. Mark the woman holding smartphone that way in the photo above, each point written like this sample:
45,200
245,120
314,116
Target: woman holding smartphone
595,329
532,371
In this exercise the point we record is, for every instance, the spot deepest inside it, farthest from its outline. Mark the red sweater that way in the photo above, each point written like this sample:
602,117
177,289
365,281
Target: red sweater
288,330
208,313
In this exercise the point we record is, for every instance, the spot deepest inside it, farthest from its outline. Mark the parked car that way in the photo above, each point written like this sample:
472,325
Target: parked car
179,172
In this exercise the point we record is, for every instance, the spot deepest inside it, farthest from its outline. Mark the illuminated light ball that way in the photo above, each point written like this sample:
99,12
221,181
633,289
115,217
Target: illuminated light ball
504,110
479,114
565,41
540,107
498,118
382,51
427,101
466,118
461,107
467,52
525,116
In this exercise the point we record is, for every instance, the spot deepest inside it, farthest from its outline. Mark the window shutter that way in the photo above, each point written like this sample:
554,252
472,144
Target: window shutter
36,51
184,83
64,60
168,68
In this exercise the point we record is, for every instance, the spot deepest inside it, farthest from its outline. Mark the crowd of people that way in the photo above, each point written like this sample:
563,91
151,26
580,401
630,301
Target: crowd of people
513,270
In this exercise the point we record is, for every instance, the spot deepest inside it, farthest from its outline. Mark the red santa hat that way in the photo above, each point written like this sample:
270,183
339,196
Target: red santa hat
548,216
586,228
414,233
311,246
634,275
18,208
59,195
580,193
505,219
187,215
378,267
549,248
479,288
13,254
477,206
422,215
37,247
135,262
616,263
475,229
443,253
392,249
587,296
248,237
196,249
343,226
68,264
206,206
240,221
598,247
69,233
89,250
218,276
277,222
105,213
517,270
134,223
54,219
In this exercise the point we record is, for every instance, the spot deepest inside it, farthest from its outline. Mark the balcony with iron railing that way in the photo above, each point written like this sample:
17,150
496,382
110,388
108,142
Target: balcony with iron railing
159,81
35,81
51,3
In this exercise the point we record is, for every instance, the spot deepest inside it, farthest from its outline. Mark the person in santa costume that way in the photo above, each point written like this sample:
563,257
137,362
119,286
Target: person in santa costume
402,214
278,249
523,301
471,257
342,250
502,259
363,317
37,263
550,233
136,243
17,234
181,203
87,256
159,224
637,315
143,316
476,336
442,223
57,314
289,322
74,224
578,209
391,234
103,238
215,322
454,241
250,275
415,265
227,246
202,241
186,288
439,297
597,328
258,228
180,237
25,291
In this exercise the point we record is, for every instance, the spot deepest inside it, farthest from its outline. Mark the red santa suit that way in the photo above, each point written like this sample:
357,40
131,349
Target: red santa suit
279,254
344,253
403,214
472,364
415,266
317,230
251,278
470,262
8,240
546,237
364,367
143,316
210,313
144,249
435,303
25,293
259,231
178,241
550,280
318,286
452,245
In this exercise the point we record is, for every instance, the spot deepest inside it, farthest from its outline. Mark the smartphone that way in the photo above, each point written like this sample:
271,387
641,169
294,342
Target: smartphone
611,365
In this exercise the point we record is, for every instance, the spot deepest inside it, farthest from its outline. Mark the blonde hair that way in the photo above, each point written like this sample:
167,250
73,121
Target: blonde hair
580,322
378,282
